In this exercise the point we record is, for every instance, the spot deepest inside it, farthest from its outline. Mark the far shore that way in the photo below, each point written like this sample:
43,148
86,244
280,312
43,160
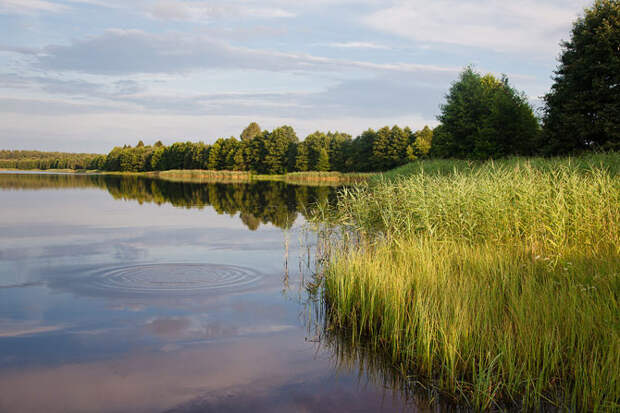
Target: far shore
200,175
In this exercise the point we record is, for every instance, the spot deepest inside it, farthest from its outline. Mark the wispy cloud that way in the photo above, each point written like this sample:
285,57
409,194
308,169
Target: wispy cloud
525,26
206,10
119,51
358,45
380,94
30,6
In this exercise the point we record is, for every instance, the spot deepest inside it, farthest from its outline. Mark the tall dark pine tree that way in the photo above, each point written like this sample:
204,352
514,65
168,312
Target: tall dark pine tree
339,150
380,149
583,106
363,151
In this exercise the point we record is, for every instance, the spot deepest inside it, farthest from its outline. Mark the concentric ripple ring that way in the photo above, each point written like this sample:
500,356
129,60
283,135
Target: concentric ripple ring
175,278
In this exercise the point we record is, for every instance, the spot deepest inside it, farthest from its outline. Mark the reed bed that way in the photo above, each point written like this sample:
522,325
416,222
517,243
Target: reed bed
333,178
200,176
496,282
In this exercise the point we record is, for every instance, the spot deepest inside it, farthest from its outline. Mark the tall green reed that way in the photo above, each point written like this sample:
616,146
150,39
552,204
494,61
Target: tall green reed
498,283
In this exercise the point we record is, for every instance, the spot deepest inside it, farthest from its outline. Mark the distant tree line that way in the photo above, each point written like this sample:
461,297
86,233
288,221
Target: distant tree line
276,152
45,160
483,117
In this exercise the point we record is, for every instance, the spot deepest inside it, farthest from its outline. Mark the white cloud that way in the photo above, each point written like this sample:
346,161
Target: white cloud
524,26
29,6
358,45
184,10
203,10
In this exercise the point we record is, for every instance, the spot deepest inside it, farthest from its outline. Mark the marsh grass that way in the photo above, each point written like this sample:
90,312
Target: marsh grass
200,176
496,282
336,178
224,176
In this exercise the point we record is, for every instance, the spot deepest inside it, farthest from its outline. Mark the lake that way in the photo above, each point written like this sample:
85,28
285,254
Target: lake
121,293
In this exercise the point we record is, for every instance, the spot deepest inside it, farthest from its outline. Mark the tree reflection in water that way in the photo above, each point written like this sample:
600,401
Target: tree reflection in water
260,202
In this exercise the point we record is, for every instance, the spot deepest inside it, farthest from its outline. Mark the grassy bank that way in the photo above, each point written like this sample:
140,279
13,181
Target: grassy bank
495,282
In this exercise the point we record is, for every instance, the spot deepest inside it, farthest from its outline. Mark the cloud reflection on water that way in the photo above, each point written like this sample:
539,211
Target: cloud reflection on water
226,376
15,328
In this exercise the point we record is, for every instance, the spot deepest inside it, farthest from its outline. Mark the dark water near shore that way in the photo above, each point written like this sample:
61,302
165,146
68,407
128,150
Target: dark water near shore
129,294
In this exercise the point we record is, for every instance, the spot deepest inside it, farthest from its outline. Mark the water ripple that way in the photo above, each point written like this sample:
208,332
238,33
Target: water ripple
174,278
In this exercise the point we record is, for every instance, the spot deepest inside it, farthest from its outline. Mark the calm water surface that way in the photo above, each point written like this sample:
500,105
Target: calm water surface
126,294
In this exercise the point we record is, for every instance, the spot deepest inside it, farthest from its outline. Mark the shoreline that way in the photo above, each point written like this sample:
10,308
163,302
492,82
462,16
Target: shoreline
224,176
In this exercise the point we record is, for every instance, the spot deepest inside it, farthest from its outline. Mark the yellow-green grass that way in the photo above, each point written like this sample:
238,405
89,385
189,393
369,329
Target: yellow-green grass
328,178
201,176
609,161
497,283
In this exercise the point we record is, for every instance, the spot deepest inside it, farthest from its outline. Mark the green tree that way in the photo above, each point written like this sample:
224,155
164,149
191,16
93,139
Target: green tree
113,160
250,132
240,157
277,156
129,160
314,143
156,156
229,148
322,164
301,161
397,148
339,150
256,152
362,151
484,117
213,161
423,141
381,149
411,153
583,107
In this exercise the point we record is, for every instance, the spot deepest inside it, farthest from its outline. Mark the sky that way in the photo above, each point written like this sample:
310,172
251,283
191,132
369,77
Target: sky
88,75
